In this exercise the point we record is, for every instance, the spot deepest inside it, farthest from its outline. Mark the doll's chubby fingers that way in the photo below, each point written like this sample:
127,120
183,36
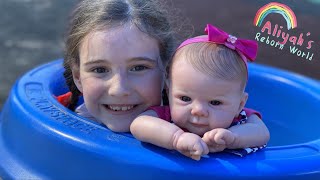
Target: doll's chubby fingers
227,136
213,137
219,136
195,157
200,148
192,155
217,139
192,145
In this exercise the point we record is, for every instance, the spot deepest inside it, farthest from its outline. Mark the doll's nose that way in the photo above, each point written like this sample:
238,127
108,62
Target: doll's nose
199,109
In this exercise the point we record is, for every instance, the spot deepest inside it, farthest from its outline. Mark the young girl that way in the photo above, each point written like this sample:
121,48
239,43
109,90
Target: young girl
115,56
116,51
207,79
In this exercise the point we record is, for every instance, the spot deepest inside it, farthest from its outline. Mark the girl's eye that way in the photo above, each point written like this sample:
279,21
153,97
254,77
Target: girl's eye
99,70
215,102
185,98
139,68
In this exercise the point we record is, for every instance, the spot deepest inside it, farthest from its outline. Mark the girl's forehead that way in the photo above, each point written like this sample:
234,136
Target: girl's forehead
124,42
126,33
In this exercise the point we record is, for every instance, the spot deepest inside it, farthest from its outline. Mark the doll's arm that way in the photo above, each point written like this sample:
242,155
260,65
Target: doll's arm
149,128
253,133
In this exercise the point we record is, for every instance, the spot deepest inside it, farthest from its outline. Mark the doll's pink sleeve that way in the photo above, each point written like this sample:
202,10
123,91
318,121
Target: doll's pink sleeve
163,112
249,112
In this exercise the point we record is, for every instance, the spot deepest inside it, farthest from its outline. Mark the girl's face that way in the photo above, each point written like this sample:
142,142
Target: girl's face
199,102
120,75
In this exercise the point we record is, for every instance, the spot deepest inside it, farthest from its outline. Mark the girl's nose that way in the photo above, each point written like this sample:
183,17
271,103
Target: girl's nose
119,85
200,110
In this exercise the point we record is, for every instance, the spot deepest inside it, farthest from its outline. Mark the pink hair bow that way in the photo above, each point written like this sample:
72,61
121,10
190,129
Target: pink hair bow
247,49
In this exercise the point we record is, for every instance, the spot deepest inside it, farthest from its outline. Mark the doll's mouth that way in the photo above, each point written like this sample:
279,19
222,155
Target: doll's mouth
198,125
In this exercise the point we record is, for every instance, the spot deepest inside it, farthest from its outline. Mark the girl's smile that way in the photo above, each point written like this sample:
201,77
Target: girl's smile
120,107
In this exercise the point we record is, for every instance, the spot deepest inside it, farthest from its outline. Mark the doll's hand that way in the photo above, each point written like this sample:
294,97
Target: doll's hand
218,139
191,145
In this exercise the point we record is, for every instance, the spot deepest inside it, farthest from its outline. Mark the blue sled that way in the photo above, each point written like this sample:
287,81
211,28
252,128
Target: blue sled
41,139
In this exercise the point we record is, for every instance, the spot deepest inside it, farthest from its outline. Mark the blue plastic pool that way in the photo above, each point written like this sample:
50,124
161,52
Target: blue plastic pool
40,139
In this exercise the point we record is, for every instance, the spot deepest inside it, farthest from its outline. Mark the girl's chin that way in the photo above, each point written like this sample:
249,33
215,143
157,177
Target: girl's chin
117,125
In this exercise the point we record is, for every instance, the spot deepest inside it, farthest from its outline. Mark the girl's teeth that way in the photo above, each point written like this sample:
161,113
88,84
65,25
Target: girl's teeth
120,108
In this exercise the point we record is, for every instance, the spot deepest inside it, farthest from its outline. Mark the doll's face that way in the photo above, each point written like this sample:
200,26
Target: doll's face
199,102
119,75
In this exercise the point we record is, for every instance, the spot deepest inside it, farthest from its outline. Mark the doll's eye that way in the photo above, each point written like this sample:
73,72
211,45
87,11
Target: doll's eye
185,98
215,102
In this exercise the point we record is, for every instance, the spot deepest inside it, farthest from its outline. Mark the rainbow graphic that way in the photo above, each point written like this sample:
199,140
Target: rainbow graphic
279,8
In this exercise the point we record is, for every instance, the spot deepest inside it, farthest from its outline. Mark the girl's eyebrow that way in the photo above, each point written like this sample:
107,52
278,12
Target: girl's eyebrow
101,61
98,61
143,58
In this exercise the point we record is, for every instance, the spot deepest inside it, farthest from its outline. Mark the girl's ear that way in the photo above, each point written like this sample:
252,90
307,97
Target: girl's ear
243,101
76,77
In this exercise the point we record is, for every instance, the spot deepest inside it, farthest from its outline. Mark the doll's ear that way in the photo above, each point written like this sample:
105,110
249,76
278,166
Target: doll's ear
76,77
243,101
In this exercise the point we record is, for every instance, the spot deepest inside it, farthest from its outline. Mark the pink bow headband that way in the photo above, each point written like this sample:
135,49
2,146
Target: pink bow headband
247,49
